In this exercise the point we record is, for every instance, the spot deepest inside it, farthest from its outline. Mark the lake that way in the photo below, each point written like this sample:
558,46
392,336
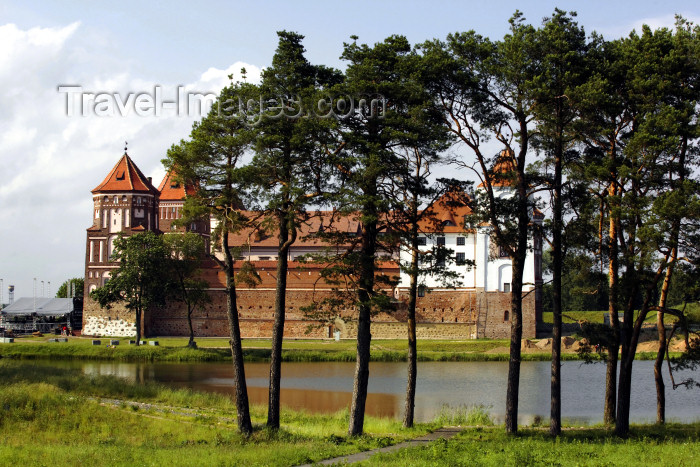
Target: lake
327,387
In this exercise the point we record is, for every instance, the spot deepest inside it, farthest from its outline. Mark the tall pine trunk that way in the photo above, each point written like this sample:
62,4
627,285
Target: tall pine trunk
364,337
661,329
613,346
516,300
273,407
557,258
516,334
242,407
409,408
665,288
658,365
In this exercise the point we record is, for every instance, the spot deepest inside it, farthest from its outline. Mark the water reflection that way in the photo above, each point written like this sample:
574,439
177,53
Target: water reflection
326,387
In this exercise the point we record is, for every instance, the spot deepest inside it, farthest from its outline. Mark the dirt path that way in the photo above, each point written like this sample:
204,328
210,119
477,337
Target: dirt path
442,433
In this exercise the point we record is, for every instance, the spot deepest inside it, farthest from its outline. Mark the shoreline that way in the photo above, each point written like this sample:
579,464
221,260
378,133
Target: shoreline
173,349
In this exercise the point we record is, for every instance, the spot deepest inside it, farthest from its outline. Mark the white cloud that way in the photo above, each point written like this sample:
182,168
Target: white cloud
656,22
51,161
28,47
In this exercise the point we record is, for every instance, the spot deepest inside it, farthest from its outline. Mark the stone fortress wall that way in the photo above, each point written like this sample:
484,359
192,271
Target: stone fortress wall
440,314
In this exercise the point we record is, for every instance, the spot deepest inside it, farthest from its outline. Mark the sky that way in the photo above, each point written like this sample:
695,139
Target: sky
52,153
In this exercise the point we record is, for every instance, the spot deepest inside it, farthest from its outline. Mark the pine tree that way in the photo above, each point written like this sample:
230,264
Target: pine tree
211,160
289,170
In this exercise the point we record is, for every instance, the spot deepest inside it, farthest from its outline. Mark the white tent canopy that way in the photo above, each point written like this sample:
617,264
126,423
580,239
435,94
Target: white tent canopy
44,307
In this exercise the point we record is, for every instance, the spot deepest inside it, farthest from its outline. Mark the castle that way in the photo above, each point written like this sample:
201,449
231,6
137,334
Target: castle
127,202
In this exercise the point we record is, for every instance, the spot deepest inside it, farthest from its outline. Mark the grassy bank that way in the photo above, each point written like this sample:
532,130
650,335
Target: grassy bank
648,445
692,311
173,349
60,417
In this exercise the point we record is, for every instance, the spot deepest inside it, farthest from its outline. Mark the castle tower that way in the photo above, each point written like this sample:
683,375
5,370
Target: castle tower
172,200
126,202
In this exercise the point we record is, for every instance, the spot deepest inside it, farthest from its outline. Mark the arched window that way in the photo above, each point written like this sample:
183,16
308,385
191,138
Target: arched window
506,315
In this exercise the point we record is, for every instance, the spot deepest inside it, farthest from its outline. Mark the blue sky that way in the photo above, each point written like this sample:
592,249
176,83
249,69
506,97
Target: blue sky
49,161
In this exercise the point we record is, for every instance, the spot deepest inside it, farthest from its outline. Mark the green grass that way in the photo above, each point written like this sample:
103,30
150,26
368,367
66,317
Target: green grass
61,417
648,445
464,416
173,349
692,311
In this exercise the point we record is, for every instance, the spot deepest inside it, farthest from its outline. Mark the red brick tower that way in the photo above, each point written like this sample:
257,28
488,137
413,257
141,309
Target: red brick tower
171,202
126,202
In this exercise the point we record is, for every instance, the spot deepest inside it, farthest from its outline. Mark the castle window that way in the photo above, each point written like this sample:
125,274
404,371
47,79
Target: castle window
506,287
116,199
106,199
461,241
193,226
502,253
461,259
422,241
421,291
506,315
124,199
441,241
138,200
120,175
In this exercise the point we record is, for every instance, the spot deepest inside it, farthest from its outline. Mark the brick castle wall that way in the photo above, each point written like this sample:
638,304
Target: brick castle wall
455,314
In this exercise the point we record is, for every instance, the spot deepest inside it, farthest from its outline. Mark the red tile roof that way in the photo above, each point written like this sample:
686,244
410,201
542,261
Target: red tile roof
125,177
172,189
450,211
318,221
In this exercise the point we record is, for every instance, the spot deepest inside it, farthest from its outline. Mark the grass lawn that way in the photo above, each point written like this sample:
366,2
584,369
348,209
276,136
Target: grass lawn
216,349
649,445
692,311
59,417
173,349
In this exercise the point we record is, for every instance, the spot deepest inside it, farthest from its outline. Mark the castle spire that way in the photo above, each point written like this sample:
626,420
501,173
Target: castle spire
125,177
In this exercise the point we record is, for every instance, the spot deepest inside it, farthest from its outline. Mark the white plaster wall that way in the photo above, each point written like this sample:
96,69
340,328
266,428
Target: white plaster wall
99,326
489,274
115,223
466,274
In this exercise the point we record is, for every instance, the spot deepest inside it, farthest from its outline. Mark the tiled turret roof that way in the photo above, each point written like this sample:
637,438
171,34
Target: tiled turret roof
171,189
125,177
